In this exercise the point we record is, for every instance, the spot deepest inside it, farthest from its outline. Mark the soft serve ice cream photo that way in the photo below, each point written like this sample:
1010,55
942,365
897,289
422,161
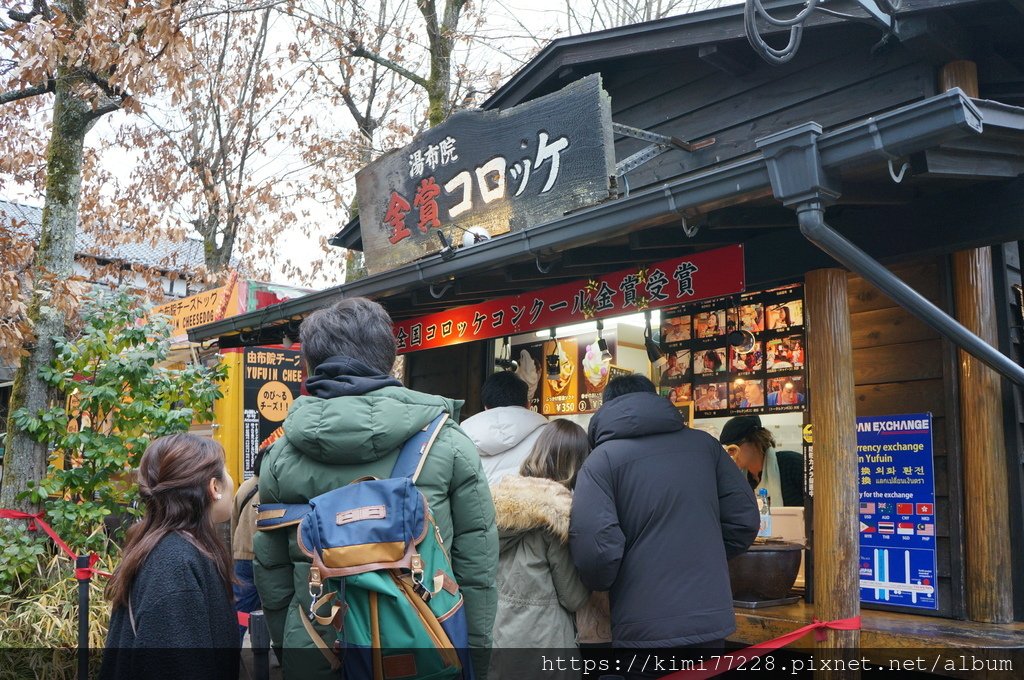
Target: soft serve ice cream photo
595,369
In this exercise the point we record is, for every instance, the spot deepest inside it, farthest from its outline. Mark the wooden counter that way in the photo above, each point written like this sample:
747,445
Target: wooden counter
886,636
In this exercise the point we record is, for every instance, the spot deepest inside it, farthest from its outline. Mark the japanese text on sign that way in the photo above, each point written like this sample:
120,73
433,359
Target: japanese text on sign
711,273
497,170
272,381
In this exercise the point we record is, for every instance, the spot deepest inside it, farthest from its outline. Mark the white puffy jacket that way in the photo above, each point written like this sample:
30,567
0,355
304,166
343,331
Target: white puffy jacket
504,437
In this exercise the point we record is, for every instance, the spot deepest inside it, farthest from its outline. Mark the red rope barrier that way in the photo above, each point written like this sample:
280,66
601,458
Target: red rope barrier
735,659
726,662
36,521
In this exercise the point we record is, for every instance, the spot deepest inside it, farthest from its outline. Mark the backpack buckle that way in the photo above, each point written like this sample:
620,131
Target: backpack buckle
316,589
416,567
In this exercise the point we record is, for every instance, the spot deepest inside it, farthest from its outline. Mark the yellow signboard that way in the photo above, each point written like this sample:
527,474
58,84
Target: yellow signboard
198,309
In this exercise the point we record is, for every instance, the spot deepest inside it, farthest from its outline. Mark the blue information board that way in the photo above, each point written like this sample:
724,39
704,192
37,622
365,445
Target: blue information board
897,510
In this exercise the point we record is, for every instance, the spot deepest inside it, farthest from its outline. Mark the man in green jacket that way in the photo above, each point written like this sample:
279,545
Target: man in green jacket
352,426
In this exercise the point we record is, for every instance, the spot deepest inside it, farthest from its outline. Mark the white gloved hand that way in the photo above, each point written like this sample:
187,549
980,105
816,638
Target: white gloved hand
528,373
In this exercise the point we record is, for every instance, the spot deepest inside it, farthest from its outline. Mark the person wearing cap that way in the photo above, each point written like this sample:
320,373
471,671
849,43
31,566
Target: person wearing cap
752,447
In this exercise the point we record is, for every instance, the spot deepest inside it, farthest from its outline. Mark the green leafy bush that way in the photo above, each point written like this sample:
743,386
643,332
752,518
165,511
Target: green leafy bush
118,393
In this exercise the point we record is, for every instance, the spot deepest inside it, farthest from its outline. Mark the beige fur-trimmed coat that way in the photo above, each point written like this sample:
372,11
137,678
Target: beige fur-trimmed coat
538,588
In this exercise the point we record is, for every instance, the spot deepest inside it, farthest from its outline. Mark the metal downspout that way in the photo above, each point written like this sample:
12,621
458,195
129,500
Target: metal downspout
811,217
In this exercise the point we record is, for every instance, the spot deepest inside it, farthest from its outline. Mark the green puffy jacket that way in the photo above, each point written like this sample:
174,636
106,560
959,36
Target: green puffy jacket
330,442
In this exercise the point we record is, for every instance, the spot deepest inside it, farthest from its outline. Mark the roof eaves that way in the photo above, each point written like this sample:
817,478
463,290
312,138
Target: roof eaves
905,130
552,56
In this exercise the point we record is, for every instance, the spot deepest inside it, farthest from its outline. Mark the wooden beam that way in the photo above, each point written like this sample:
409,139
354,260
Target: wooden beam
732,59
934,36
751,217
674,237
986,525
833,409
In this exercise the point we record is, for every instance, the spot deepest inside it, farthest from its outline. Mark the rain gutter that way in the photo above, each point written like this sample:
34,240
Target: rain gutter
800,179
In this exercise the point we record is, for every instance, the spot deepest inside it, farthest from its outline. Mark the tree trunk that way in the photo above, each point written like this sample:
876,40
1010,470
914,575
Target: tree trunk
439,84
355,266
25,460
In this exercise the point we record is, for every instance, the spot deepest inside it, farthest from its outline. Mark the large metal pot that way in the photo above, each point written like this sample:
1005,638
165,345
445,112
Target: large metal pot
765,572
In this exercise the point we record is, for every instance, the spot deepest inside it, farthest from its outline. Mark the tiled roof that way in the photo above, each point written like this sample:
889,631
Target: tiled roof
168,255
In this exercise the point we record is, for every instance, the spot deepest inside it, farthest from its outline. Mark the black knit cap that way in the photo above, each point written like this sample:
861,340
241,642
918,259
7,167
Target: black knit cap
739,428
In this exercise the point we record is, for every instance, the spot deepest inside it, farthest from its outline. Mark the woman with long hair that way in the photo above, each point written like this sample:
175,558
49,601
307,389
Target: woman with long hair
171,594
538,588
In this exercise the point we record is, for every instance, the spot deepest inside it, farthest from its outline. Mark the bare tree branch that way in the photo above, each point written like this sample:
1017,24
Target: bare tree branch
359,51
101,111
39,8
233,10
103,84
16,95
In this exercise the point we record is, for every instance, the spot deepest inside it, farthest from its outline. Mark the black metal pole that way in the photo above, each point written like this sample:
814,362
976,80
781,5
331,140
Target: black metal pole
811,216
259,638
82,562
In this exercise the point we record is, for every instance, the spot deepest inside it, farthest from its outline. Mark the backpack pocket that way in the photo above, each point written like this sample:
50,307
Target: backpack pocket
375,544
369,525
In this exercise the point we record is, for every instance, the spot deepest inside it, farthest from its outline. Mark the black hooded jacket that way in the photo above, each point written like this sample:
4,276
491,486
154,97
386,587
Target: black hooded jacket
658,509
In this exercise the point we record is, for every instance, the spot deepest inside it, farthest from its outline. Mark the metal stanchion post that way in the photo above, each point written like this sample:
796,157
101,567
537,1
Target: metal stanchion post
82,562
259,637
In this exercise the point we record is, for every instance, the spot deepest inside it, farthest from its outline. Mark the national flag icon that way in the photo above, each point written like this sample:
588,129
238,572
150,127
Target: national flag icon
925,529
884,507
925,509
886,527
905,528
866,528
904,508
867,508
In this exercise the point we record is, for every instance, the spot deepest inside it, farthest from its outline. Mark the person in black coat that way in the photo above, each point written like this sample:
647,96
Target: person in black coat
658,510
173,615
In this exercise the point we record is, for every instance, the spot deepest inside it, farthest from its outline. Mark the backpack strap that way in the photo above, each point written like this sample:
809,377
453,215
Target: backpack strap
248,497
414,451
410,462
277,515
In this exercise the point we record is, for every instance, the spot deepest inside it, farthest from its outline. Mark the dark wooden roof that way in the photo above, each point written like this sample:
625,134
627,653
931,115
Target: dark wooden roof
695,77
567,59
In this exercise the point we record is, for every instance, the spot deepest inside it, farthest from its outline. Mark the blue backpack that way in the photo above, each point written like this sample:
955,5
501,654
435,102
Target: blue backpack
380,563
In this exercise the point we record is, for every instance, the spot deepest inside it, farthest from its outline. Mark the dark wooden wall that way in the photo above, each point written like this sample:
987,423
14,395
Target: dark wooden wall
903,366
833,80
1007,271
456,372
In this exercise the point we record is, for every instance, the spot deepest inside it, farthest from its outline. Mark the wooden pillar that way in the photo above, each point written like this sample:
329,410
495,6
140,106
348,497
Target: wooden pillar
833,412
962,74
986,494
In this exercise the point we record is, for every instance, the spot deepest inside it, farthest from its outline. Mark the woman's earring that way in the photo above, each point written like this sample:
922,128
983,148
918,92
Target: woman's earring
219,496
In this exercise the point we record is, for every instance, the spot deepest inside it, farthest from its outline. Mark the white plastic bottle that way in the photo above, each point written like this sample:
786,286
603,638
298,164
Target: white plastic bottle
765,503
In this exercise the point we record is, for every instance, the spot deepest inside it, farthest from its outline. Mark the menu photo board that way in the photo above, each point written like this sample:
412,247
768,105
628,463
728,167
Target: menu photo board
762,374
576,377
896,475
272,381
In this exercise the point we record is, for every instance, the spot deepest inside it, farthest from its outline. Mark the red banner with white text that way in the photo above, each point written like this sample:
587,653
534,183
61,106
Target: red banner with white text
708,274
